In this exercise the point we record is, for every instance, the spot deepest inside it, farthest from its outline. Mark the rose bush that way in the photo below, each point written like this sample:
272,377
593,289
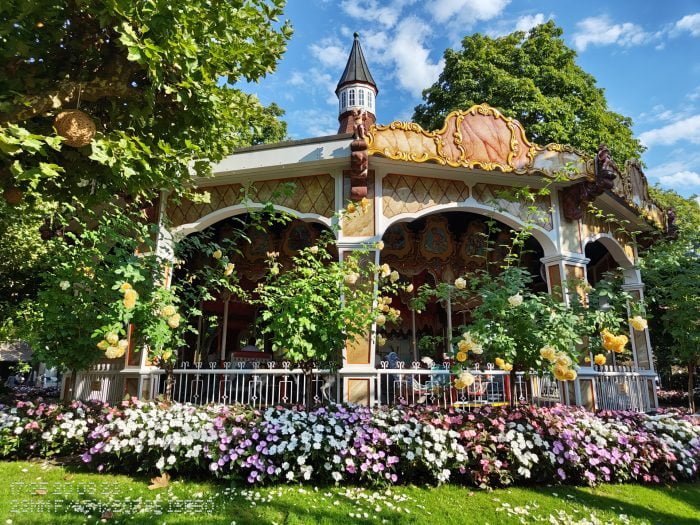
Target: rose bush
359,445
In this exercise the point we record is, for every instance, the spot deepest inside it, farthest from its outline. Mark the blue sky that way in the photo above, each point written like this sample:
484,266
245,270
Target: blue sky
644,53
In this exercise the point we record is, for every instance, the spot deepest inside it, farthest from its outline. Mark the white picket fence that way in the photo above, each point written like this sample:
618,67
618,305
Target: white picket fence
269,384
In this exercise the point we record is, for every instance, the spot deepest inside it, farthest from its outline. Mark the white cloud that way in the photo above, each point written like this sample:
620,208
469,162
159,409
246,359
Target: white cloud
600,31
527,22
375,11
317,123
524,23
414,70
661,113
694,95
690,23
297,79
466,12
681,178
330,52
685,129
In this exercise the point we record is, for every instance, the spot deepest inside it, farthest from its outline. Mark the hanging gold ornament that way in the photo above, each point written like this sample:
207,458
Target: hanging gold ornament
75,126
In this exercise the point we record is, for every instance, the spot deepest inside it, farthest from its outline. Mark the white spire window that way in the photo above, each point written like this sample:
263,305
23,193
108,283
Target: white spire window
343,100
351,97
361,97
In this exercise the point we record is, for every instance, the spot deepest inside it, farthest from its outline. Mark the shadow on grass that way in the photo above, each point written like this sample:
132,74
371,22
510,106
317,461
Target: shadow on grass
639,511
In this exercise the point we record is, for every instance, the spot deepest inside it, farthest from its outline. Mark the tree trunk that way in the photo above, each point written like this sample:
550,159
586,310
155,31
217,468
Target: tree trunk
308,381
691,386
169,382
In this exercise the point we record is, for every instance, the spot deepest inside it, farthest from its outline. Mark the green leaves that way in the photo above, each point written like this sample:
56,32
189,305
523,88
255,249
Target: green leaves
534,78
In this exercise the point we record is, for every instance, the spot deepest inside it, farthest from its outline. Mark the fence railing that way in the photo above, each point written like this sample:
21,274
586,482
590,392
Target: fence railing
103,382
625,388
254,384
269,384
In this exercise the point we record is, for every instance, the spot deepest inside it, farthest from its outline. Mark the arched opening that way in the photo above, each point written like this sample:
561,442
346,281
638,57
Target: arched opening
228,328
438,248
605,255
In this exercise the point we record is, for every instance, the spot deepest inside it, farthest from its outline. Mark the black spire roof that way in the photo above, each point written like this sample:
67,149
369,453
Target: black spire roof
356,69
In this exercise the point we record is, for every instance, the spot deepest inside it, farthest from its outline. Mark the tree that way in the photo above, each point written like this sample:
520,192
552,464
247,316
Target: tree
534,78
155,78
671,270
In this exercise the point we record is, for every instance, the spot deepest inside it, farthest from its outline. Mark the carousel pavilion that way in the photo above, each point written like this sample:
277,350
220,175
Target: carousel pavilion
429,194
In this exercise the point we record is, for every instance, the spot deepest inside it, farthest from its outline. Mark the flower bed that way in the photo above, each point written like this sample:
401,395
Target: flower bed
358,445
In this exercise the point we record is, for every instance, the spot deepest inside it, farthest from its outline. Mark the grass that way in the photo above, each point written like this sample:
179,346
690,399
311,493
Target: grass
42,493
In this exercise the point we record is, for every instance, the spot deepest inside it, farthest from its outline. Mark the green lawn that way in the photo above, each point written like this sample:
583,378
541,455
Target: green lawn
41,493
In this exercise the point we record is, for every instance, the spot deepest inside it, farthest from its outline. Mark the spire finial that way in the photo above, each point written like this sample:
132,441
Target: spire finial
356,35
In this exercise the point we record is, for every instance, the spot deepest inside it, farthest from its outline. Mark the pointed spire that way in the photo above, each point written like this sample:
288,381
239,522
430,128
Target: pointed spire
356,90
356,70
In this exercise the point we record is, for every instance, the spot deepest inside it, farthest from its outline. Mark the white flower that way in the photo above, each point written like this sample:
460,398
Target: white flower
351,278
380,245
161,463
460,283
515,300
64,285
314,250
394,276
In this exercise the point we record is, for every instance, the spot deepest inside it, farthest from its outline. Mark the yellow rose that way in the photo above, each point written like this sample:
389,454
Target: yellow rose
507,367
608,339
619,344
570,375
638,323
168,311
463,346
124,287
563,359
364,203
587,359
113,352
459,385
381,340
102,345
351,278
549,353
380,245
409,288
515,300
381,320
112,338
385,269
599,359
130,297
314,250
174,321
477,348
460,283
123,344
466,378
351,208
560,372
499,362
229,269
217,254
394,276
461,357
166,355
